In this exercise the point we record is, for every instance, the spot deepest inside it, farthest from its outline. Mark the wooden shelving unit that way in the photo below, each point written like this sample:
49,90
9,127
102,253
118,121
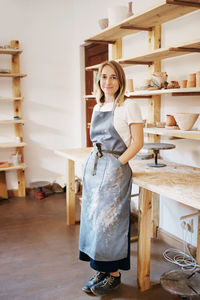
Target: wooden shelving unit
151,21
16,98
145,21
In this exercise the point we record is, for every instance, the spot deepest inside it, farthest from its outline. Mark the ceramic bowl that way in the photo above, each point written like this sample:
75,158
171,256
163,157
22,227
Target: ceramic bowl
185,121
103,23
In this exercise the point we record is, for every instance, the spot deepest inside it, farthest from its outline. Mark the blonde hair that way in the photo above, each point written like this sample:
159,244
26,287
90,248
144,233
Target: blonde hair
119,97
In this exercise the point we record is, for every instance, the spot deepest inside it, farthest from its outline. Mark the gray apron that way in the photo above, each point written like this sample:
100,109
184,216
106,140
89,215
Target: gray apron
105,210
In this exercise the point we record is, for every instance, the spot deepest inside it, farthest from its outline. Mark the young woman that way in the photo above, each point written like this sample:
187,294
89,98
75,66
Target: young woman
117,135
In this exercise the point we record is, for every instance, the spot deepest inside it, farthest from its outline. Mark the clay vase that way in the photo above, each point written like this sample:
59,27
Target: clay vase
130,9
170,120
183,84
198,79
185,121
191,80
129,85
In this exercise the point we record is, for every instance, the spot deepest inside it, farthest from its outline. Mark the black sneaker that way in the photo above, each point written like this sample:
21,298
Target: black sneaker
106,286
94,280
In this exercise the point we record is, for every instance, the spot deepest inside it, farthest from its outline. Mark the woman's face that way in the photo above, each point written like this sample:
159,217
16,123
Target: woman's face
109,82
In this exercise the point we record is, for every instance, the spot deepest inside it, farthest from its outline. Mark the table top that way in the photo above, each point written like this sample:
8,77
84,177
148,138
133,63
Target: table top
158,146
176,181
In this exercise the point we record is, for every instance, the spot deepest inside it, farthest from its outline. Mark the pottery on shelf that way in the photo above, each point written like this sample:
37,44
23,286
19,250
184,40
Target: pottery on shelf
191,80
117,14
129,85
198,79
185,121
130,9
170,120
183,84
103,23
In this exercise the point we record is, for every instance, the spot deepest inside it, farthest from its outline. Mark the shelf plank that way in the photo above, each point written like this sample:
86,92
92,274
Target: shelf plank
192,134
90,97
12,167
182,91
12,145
162,53
12,75
158,54
11,122
10,51
156,15
11,98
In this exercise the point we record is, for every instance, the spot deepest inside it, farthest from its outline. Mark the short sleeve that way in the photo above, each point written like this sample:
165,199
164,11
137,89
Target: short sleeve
132,112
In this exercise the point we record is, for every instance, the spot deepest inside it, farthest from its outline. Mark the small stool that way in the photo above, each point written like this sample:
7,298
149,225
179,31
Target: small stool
39,185
156,147
182,284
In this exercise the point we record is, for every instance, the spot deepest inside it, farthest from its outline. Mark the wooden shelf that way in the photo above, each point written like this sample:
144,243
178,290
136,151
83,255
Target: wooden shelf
12,75
12,167
156,15
173,92
12,145
10,51
90,97
11,122
192,134
148,58
163,53
11,98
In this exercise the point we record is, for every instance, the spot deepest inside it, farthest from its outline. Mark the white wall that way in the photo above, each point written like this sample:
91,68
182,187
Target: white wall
51,33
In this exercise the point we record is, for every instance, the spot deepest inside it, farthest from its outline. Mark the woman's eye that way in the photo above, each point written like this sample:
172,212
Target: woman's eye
104,76
114,77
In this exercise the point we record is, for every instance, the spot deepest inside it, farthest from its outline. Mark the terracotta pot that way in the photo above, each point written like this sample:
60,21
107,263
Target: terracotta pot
191,80
129,85
170,120
185,121
183,84
198,79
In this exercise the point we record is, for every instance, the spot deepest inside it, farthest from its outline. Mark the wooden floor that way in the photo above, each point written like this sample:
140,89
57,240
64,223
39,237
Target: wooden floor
39,255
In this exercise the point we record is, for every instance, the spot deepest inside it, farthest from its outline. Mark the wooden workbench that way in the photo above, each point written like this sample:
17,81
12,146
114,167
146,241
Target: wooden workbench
178,182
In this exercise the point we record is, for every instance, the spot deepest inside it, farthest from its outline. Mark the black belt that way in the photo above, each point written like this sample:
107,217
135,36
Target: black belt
99,154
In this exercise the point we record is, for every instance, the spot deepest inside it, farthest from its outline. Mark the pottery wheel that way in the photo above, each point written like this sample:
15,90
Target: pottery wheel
156,147
182,283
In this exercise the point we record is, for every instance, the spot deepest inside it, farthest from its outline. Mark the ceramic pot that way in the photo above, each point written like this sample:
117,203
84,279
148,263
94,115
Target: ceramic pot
117,14
191,80
103,23
170,120
183,84
130,9
198,79
185,121
129,85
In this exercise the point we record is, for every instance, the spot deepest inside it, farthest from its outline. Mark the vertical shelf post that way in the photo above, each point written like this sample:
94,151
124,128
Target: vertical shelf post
16,87
154,116
117,49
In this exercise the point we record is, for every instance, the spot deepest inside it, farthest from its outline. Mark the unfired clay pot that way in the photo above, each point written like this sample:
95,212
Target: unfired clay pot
185,121
103,23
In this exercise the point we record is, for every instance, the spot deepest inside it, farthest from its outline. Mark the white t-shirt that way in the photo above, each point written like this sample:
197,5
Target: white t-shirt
129,112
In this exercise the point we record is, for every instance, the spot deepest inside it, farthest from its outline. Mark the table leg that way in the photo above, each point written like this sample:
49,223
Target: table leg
144,239
70,193
198,242
3,187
